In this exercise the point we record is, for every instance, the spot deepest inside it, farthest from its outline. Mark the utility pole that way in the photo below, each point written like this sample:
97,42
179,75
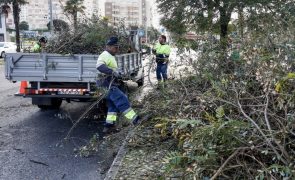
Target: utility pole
51,18
146,32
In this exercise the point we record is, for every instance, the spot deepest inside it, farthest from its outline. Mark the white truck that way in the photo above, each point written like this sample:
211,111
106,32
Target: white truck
53,77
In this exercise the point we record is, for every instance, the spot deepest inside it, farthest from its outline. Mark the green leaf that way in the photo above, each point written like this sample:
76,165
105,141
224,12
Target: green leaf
220,112
183,123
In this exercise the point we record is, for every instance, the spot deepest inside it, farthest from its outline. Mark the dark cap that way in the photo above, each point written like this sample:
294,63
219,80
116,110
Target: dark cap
43,39
113,41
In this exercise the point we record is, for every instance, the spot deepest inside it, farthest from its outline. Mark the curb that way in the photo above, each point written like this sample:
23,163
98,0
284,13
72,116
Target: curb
113,171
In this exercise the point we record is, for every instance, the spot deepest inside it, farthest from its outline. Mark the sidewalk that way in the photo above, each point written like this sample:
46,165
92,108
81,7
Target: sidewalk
142,155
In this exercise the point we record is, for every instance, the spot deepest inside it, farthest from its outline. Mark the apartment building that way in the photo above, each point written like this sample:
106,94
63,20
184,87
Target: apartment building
37,13
2,27
91,8
131,12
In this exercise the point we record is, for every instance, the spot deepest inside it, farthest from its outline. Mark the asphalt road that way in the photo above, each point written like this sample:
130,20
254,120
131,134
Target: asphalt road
31,140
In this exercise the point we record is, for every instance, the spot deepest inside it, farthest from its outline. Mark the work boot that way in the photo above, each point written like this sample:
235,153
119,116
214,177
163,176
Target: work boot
138,120
165,83
109,129
159,85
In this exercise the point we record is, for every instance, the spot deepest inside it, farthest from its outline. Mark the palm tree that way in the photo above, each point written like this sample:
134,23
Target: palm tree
5,9
72,7
16,10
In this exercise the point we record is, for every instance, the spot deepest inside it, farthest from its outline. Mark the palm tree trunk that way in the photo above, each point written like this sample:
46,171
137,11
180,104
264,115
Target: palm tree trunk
75,21
224,20
225,65
16,10
241,21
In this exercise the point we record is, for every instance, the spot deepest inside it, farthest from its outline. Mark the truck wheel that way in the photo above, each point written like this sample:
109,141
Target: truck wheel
140,82
123,87
2,54
43,107
55,104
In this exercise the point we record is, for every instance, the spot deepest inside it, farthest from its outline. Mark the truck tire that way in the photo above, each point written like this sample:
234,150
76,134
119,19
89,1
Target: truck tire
124,88
2,54
140,82
55,104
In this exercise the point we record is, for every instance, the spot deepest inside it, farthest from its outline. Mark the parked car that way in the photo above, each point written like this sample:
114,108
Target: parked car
7,47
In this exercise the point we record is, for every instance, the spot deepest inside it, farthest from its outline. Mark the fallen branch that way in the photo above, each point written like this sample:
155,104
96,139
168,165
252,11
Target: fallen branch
83,115
259,129
225,163
37,162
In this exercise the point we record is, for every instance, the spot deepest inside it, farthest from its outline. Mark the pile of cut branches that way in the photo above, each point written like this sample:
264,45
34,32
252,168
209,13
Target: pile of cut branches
89,38
232,118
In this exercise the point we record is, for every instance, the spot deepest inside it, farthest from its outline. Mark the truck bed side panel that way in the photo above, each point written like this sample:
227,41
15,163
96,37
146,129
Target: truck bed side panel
62,68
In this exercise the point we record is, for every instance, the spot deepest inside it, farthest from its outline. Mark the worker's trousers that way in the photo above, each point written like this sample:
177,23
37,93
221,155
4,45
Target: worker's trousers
118,102
161,71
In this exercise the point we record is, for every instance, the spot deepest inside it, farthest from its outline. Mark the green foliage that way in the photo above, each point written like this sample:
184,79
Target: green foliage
12,39
90,38
153,34
174,160
286,89
5,5
232,119
23,25
73,7
90,148
283,172
184,123
21,2
59,25
211,16
236,119
205,146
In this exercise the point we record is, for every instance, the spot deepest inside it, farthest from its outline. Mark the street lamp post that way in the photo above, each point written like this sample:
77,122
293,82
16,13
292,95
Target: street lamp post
146,36
51,18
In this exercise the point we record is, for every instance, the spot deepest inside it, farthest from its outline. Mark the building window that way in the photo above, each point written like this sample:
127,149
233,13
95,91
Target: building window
0,21
1,37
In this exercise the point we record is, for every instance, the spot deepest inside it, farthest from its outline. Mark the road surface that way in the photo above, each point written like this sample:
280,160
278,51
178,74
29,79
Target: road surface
32,142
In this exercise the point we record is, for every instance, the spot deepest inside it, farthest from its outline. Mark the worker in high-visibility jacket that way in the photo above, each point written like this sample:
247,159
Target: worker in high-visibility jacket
162,51
40,45
117,101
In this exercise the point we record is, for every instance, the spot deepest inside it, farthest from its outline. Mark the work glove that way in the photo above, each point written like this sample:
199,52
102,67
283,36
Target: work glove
117,74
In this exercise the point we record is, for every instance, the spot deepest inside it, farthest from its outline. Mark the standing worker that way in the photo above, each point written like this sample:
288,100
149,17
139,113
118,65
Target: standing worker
40,45
162,51
117,101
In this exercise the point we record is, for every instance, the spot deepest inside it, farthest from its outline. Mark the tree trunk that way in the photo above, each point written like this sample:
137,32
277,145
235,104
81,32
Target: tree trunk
16,10
225,65
210,14
75,20
241,21
224,20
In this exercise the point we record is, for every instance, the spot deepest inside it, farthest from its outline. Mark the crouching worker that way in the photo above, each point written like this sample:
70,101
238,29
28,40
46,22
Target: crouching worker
117,101
40,45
